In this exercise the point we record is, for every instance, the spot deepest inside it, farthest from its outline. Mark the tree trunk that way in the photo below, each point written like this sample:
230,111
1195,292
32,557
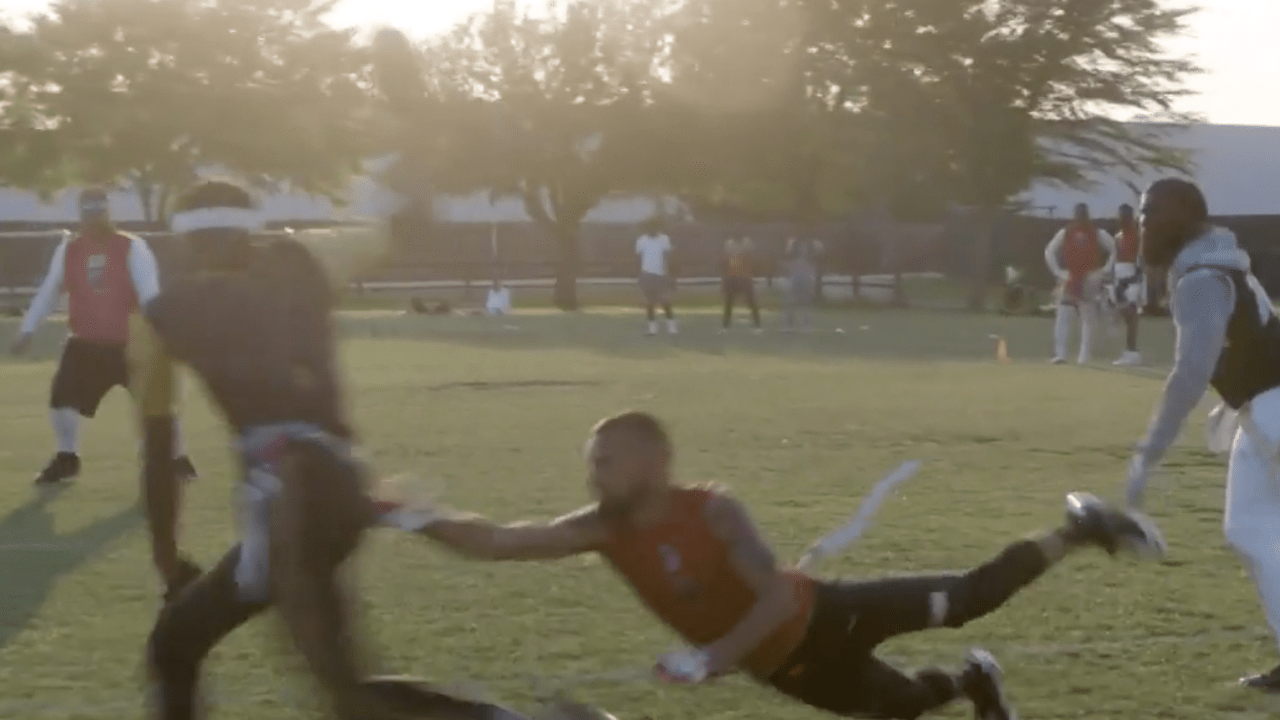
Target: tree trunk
981,259
565,292
143,188
162,205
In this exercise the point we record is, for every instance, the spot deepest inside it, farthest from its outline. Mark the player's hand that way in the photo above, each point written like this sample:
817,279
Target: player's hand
21,344
396,504
685,666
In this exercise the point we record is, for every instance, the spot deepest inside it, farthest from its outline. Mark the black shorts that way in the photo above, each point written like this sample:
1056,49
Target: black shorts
835,669
86,373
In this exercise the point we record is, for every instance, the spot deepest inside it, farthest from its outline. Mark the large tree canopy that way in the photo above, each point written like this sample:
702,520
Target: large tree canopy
147,91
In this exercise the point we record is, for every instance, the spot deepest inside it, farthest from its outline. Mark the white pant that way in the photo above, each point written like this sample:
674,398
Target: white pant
1066,317
1252,521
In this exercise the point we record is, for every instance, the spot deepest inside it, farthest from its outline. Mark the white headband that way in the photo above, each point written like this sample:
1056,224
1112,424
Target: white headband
219,217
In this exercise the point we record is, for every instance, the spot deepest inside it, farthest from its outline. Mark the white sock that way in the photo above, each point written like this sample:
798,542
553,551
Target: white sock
671,325
653,326
1062,323
1088,325
66,429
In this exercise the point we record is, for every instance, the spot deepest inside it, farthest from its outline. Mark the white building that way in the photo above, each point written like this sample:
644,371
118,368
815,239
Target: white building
365,199
1237,166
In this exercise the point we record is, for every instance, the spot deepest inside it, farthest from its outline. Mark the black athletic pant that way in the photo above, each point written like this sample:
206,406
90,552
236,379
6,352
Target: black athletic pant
835,668
316,523
733,287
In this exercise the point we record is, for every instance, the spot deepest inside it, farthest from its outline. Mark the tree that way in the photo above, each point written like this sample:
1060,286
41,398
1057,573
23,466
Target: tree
985,97
30,156
560,108
146,92
776,118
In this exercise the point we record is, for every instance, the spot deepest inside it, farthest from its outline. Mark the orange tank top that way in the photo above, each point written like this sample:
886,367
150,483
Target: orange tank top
682,571
1127,245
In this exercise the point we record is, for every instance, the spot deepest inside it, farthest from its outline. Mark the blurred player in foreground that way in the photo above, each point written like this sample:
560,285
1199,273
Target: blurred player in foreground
695,559
1078,256
105,273
253,322
1129,290
1228,337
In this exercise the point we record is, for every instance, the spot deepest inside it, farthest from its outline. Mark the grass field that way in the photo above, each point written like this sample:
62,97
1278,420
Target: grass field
799,426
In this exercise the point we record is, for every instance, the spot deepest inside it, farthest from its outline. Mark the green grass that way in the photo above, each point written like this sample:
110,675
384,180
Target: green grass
799,426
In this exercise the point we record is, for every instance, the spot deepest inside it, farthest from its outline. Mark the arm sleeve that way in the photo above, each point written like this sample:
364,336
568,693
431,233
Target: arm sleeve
50,290
1109,247
1202,304
1051,253
144,270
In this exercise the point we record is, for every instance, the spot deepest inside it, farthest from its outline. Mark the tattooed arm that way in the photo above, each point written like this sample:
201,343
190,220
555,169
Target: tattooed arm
755,562
478,538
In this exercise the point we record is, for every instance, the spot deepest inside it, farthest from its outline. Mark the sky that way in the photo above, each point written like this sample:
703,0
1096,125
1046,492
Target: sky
1233,40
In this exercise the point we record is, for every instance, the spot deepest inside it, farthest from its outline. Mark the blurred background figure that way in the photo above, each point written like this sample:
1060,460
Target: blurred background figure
656,284
499,300
1129,289
737,279
802,256
1079,256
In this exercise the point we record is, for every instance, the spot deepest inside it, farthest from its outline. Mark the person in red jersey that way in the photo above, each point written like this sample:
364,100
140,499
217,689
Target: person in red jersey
1129,291
1079,256
696,560
105,274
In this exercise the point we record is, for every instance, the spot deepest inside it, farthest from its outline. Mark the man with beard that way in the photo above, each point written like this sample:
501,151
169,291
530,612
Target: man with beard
696,560
1228,338
105,274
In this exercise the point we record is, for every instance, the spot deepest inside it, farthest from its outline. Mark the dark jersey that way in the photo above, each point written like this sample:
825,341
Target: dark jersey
1250,361
261,340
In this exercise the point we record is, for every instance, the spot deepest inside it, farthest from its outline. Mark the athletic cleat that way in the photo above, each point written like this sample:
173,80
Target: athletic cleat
1268,682
184,470
982,683
1092,521
63,467
1057,360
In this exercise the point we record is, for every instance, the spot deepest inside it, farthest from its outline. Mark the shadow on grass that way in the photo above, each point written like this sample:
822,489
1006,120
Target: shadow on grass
35,557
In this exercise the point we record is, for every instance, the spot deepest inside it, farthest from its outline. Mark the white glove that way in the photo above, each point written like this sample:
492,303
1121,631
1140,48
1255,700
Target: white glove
686,666
408,514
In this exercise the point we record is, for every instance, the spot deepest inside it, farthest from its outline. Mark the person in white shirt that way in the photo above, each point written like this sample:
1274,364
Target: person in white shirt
654,249
499,300
1079,256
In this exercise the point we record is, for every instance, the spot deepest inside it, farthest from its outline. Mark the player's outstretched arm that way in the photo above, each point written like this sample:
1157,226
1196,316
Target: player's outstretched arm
755,562
1202,304
478,538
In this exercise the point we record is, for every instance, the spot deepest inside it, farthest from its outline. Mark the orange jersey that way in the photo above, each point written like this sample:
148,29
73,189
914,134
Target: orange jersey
1127,245
683,572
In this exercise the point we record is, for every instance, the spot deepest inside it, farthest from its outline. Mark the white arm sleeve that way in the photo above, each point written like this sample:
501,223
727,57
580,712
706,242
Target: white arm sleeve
143,270
1109,247
50,289
1051,253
